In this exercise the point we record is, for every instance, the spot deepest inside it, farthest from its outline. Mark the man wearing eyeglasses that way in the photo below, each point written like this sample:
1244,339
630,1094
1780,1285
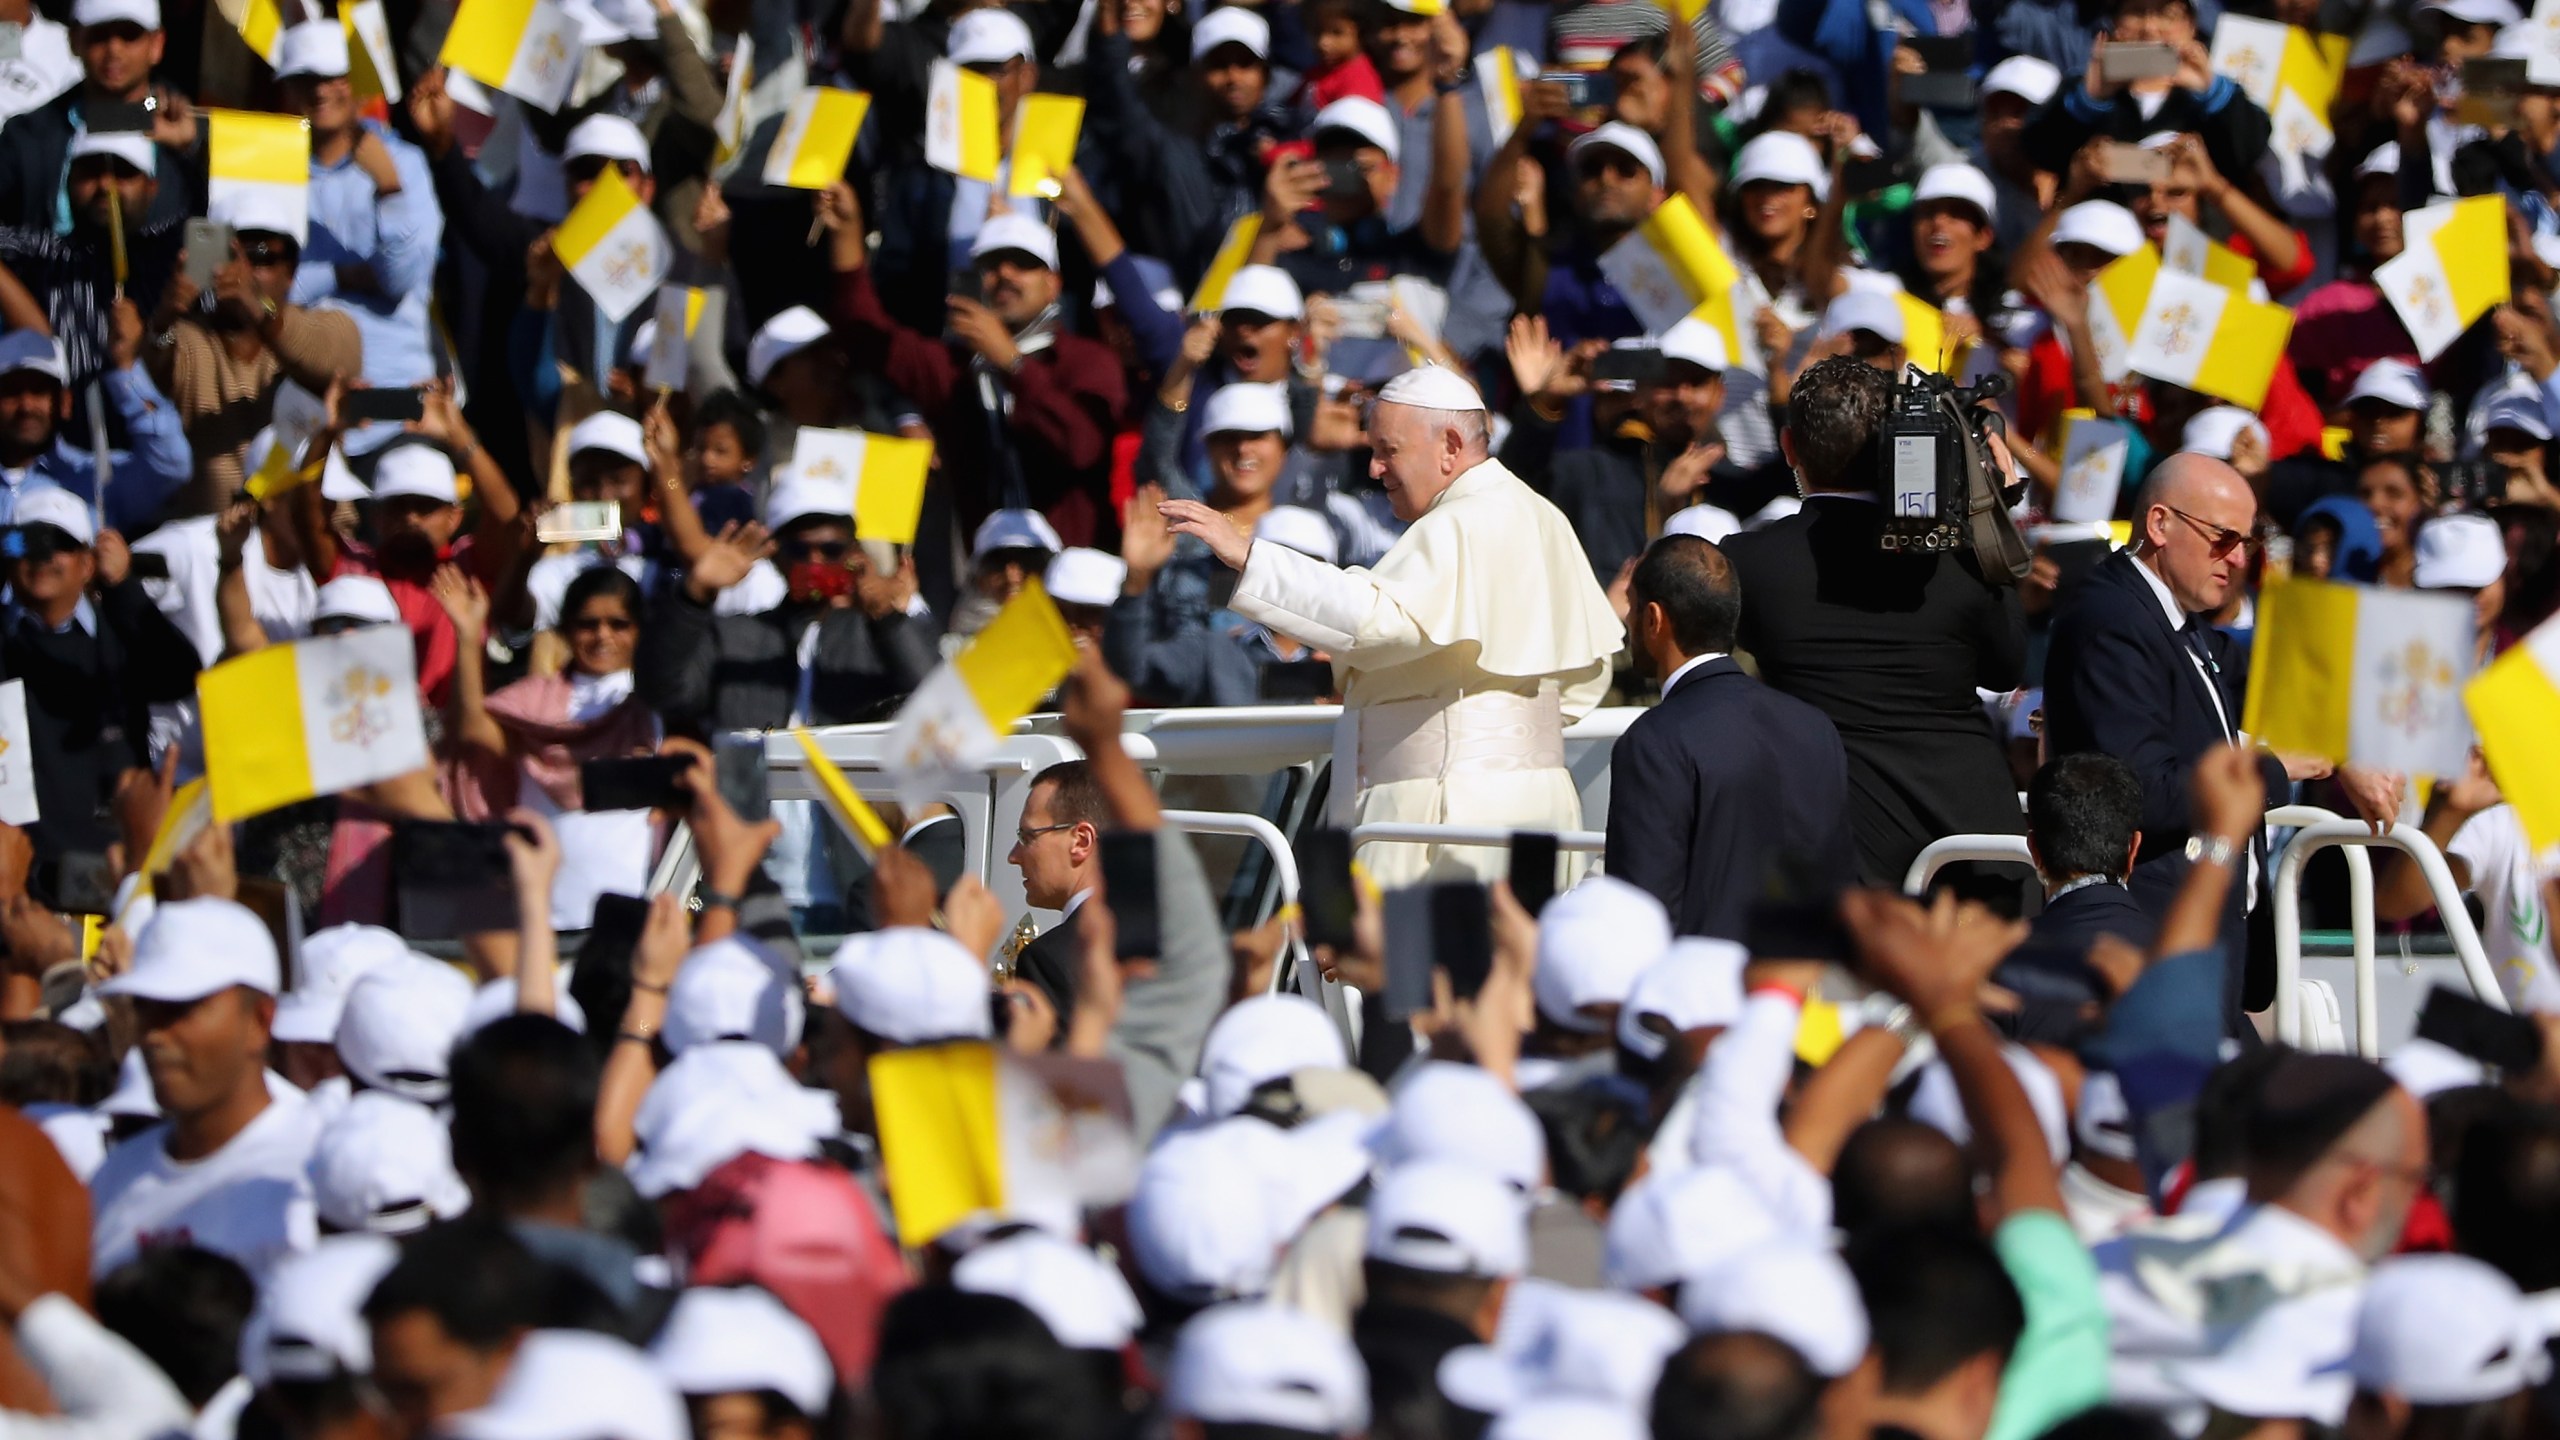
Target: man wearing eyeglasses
2138,671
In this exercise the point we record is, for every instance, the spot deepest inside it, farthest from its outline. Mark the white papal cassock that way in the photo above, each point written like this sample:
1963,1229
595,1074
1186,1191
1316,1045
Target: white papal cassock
1461,658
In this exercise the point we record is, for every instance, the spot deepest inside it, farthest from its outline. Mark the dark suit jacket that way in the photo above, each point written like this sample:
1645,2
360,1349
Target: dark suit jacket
1053,962
1891,647
2050,973
1710,785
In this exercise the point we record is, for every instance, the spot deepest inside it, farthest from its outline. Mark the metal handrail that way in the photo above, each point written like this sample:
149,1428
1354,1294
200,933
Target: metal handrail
2360,925
2288,918
1953,849
1399,833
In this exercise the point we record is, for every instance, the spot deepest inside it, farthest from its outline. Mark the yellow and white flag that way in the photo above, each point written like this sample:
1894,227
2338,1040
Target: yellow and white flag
370,66
2542,50
528,48
2094,451
1233,252
2284,71
953,720
1044,144
678,316
853,814
311,718
268,156
729,127
613,246
960,112
1498,79
2212,340
1924,336
2189,251
17,759
2362,676
815,142
968,1128
1671,267
883,476
2451,270
260,23
2515,705
2116,298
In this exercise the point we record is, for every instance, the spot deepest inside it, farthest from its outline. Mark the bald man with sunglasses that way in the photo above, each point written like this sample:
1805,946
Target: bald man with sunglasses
2138,670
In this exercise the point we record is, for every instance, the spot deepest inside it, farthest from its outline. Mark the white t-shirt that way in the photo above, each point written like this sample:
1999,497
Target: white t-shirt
250,1200
2513,929
43,69
284,601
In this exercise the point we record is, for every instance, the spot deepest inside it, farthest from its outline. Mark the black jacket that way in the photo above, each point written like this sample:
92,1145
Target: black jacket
35,157
1709,786
1892,648
1055,963
2234,130
742,672
89,700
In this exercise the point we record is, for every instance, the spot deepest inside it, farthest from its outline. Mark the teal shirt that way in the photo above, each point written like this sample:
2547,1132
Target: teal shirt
2060,1366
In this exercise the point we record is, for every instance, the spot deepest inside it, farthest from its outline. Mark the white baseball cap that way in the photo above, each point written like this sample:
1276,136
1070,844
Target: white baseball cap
358,597
614,433
2286,1362
988,37
1448,1218
1711,523
2102,225
29,350
399,1026
2446,1330
2464,551
1079,575
145,13
2396,383
132,1098
1596,1344
1216,1204
2024,76
1957,181
1672,1225
384,1165
1263,1039
130,146
716,1102
910,986
315,47
782,337
1569,1417
495,1000
607,137
1233,25
1801,1293
1363,117
330,963
1873,311
1246,408
266,211
1013,232
2384,159
1432,387
1624,138
1697,342
1263,290
1696,985
47,504
793,498
2477,12
733,989
1301,529
1593,940
1441,1110
1256,1364
575,1385
1015,530
195,948
420,470
725,1340
2514,411
1782,157
2216,431
1083,1300
309,1322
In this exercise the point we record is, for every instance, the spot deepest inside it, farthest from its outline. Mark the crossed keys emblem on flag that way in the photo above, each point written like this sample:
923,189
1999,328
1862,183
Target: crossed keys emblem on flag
2180,320
355,706
2245,65
2426,297
936,747
627,264
2417,684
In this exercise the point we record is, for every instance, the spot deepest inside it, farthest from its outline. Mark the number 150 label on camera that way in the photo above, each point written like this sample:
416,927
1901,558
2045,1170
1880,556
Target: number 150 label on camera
1915,475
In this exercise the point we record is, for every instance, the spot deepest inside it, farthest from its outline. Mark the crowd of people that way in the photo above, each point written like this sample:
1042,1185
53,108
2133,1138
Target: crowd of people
1318,371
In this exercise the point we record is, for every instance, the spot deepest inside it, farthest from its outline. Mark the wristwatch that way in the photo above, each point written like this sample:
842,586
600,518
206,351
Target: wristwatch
2215,850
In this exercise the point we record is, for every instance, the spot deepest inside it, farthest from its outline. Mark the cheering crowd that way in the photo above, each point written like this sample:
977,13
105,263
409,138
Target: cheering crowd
1317,358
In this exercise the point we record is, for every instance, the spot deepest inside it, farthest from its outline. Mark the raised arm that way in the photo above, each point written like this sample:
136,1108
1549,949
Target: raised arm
466,603
1444,205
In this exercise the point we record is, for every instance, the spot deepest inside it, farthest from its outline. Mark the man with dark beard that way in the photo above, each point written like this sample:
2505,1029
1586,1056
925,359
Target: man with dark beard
1724,773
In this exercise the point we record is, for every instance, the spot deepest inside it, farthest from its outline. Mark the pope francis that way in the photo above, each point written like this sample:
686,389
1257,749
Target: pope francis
1462,656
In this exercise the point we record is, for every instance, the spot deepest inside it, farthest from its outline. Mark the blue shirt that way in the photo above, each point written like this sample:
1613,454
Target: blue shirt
139,481
398,236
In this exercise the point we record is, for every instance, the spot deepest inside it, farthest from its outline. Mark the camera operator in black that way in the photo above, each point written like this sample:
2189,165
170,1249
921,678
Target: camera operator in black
1890,646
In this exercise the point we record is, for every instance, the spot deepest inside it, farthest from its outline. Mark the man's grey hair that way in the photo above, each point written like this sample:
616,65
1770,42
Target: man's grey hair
1470,425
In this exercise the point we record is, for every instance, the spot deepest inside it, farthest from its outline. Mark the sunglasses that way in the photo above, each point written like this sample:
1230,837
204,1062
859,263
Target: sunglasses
268,252
2218,540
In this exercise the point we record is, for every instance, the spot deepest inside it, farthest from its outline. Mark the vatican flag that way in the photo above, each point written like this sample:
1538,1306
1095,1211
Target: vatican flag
2515,704
267,155
2283,69
2213,340
960,123
312,718
853,814
2116,298
371,69
967,1128
613,246
528,48
1044,144
1671,266
2362,676
260,23
883,474
2451,270
1498,80
816,139
2189,251
953,720
1232,254
2542,44
2094,451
